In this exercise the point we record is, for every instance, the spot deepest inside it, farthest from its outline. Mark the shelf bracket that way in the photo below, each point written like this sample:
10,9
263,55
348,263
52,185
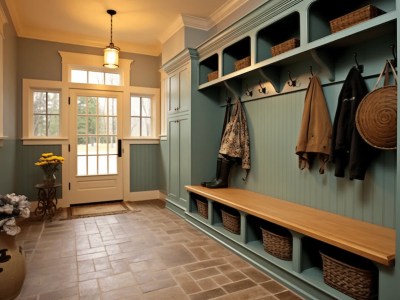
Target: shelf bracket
234,86
325,62
271,74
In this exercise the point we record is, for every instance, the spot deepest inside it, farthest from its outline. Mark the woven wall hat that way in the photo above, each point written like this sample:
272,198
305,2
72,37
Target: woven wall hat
376,116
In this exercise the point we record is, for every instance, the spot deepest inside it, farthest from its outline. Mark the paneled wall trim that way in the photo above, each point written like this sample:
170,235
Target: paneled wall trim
272,88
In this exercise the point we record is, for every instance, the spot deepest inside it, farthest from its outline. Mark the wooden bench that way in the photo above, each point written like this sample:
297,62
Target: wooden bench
374,242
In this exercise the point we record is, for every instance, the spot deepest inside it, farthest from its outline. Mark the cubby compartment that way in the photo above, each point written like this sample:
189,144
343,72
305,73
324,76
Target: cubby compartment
208,69
285,30
337,271
322,12
236,54
202,206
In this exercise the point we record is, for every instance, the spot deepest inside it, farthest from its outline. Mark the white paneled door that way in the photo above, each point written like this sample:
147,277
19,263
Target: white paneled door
95,154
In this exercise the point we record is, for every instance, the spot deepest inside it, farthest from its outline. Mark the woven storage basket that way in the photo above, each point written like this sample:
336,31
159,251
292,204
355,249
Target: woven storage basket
242,63
360,15
230,221
285,46
212,75
202,208
350,274
277,242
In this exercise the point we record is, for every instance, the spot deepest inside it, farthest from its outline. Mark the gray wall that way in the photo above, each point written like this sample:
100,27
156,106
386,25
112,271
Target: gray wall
145,174
40,60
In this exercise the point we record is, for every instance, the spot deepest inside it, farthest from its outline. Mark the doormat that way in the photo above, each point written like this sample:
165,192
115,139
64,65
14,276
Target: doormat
100,209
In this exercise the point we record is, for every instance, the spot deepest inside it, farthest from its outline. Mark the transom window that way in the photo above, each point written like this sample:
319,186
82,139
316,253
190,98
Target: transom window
140,116
95,77
46,113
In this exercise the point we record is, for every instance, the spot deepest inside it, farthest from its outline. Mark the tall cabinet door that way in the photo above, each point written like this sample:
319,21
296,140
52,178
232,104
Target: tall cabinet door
173,176
179,160
179,91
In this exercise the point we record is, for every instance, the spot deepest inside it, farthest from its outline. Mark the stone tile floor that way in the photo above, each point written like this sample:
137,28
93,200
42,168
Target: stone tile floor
148,254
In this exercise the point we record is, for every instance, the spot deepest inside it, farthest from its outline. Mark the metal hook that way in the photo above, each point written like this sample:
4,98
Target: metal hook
228,98
394,60
248,91
359,67
311,72
262,89
291,82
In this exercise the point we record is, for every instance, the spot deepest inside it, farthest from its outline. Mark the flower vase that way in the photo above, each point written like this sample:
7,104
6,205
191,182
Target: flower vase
49,179
12,267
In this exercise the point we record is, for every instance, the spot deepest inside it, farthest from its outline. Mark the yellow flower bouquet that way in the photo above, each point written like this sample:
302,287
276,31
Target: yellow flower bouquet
49,164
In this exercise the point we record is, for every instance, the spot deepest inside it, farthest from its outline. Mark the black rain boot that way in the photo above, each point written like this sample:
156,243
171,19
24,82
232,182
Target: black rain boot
204,183
222,181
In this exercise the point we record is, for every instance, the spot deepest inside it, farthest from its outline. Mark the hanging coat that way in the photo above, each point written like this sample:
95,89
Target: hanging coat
348,147
315,134
235,140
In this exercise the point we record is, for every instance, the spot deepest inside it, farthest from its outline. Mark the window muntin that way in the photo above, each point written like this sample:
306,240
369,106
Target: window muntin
140,116
46,113
95,77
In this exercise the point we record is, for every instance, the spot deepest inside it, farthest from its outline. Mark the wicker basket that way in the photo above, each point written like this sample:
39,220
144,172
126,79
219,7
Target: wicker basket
212,75
202,208
231,221
350,274
360,15
242,63
285,46
278,242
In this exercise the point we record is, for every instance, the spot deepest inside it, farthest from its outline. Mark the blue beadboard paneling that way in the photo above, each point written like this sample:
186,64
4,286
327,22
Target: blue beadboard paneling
145,167
8,160
28,174
274,125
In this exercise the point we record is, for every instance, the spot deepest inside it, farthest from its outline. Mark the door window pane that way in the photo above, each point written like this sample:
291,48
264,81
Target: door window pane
81,166
97,136
92,165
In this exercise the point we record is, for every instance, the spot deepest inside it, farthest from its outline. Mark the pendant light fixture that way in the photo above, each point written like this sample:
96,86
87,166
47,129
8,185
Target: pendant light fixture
111,52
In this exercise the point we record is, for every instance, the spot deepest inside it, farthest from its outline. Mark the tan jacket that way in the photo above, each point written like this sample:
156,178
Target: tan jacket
315,134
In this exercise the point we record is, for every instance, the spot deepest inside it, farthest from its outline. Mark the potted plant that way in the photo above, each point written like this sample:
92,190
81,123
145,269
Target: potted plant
49,164
12,259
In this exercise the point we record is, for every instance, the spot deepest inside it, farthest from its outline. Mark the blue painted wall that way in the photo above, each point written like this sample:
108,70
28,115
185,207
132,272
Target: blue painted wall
274,125
145,170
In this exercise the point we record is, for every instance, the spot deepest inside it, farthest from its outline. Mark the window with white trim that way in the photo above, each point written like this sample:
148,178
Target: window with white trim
140,116
92,76
46,113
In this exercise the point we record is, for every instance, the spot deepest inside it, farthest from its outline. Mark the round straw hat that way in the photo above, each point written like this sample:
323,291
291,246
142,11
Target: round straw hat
376,117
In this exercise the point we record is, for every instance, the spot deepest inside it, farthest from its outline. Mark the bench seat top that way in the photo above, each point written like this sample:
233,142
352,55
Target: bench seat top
368,240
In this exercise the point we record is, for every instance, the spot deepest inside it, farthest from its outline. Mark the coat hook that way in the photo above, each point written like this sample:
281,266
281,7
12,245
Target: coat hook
228,98
394,60
248,91
262,89
291,82
311,72
359,67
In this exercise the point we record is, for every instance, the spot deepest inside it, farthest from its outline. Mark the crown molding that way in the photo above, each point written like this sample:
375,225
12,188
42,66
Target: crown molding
225,10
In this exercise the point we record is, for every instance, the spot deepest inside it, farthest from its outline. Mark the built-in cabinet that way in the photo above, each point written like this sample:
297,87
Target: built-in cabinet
192,151
319,51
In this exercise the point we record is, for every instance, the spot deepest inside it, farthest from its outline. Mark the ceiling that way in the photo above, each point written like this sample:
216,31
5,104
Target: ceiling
140,26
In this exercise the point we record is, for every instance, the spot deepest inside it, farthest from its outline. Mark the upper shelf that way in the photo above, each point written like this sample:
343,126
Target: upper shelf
317,42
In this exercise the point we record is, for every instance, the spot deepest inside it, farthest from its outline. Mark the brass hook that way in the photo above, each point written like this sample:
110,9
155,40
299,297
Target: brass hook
291,82
394,60
262,89
248,91
359,67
